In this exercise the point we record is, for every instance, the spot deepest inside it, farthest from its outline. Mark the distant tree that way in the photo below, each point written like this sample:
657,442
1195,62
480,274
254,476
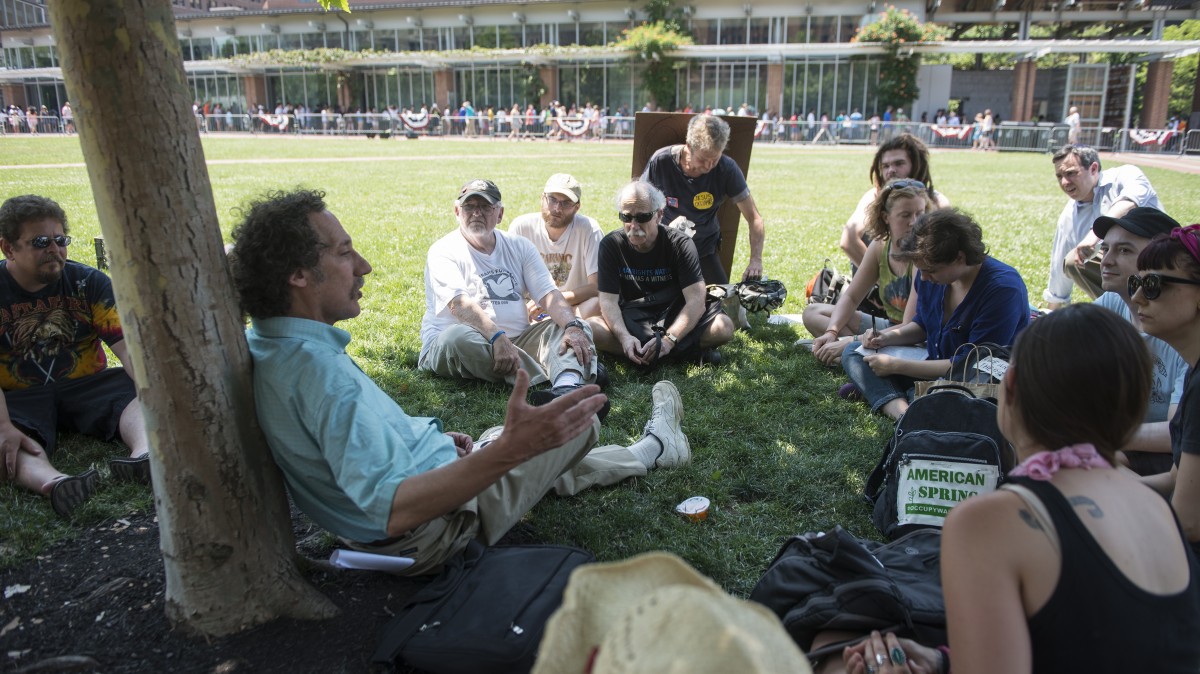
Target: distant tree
896,29
652,45
1183,76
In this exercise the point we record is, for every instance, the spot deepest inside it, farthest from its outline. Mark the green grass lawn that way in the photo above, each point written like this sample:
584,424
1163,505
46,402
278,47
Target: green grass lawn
773,447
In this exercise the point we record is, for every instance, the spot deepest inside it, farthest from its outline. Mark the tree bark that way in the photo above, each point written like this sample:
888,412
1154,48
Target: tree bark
225,531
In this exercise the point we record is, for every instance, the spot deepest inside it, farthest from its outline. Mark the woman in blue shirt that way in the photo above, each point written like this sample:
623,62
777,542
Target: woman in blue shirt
964,296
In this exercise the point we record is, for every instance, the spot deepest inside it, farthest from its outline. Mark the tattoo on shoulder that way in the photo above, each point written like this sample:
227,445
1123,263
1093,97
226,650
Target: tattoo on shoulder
1088,505
1029,519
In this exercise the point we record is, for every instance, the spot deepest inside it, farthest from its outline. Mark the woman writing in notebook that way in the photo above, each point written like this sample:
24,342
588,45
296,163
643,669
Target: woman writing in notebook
964,296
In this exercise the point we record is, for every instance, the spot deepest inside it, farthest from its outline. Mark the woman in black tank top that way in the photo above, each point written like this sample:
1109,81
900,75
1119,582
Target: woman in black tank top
1086,570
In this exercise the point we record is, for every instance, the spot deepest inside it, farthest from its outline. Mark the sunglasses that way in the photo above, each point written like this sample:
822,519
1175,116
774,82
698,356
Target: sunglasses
642,218
1151,284
904,182
44,241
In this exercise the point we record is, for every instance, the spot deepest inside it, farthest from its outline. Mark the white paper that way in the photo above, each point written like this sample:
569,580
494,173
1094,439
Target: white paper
785,319
902,352
993,366
352,559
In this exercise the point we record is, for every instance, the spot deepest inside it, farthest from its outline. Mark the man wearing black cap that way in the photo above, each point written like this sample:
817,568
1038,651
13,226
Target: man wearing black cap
1123,238
476,325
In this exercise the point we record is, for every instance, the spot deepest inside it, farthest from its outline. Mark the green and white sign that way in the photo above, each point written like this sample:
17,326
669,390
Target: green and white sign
927,490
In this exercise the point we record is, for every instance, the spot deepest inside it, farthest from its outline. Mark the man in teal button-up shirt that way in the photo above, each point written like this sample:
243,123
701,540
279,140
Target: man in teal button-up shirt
379,479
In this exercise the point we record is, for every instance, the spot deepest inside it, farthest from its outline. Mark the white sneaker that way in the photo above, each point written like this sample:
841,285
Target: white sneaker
664,426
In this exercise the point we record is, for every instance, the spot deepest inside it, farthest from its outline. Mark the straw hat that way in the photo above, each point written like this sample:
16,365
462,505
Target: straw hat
654,613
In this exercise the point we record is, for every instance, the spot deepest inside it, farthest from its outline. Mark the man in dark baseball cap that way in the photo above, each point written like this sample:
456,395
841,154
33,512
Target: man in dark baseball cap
480,187
1123,238
476,323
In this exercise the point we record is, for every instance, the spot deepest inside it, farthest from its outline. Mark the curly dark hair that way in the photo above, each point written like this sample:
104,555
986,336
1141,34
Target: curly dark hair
918,156
937,238
274,240
26,208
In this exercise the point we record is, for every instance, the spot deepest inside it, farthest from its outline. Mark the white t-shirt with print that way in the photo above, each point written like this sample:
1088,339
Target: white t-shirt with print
573,257
498,282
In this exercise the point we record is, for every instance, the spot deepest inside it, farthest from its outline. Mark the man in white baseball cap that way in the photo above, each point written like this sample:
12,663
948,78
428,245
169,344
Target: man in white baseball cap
568,242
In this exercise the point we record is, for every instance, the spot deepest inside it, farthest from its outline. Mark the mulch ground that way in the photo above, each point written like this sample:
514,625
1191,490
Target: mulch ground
95,603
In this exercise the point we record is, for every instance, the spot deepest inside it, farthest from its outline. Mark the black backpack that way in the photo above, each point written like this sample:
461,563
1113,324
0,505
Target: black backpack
946,448
835,581
485,613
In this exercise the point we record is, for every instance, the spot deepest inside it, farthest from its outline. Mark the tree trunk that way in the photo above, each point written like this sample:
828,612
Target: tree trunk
225,531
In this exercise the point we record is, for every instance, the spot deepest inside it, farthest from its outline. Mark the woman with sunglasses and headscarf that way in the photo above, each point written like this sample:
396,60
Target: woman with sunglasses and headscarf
964,296
1166,293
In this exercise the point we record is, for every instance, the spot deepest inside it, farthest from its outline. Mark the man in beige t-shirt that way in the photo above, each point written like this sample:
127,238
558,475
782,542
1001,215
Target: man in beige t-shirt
568,243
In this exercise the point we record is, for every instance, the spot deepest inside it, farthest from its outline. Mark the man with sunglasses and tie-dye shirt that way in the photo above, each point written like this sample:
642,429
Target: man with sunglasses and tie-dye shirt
53,371
653,300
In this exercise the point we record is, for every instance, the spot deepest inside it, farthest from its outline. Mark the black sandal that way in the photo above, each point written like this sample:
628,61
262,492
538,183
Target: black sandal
70,492
131,470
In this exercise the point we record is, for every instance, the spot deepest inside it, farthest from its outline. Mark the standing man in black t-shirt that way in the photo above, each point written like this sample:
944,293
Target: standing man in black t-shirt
653,303
696,179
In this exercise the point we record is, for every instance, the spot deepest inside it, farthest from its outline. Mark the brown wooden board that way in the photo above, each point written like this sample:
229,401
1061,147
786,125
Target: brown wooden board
653,130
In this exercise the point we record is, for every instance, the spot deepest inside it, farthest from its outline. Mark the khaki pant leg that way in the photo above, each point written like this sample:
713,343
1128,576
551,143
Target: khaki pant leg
503,504
1086,277
432,543
460,352
543,340
601,467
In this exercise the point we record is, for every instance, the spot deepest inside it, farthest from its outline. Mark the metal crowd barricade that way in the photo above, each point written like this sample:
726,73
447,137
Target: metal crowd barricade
1191,142
369,124
617,127
1152,141
1028,137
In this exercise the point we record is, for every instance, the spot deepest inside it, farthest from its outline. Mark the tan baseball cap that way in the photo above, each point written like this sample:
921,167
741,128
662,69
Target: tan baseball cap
564,184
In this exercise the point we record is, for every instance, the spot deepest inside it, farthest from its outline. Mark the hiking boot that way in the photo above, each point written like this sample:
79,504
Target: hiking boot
665,418
70,492
547,396
710,357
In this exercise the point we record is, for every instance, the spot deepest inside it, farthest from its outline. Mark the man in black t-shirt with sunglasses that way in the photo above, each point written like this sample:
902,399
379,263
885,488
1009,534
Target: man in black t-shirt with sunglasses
653,301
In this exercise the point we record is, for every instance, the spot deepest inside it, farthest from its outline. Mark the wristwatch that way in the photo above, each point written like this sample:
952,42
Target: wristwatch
575,323
673,339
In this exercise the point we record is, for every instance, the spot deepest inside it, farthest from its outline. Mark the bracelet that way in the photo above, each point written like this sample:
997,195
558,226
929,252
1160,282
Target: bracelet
831,331
945,651
496,336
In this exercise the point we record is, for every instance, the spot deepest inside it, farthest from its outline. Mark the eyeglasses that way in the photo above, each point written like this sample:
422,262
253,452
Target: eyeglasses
904,182
642,218
477,208
1151,284
44,241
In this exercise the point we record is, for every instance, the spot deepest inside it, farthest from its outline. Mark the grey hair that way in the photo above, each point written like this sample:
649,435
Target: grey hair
1085,154
644,192
707,133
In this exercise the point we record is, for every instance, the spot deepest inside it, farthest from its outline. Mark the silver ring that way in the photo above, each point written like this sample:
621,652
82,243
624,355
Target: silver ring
871,670
879,659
